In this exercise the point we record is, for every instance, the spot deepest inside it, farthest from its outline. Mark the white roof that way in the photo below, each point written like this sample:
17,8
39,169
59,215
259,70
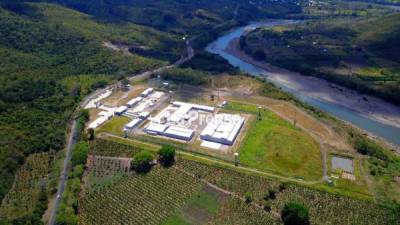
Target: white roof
223,128
179,132
106,114
121,109
144,114
179,114
92,103
134,101
156,127
99,121
157,95
133,123
195,106
142,106
147,92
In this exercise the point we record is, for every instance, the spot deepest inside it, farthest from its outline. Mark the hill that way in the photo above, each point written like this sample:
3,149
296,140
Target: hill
42,50
360,53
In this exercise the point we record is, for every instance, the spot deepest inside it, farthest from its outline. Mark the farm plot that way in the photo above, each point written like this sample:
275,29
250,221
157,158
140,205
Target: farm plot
29,181
139,199
325,208
276,145
237,212
102,147
103,171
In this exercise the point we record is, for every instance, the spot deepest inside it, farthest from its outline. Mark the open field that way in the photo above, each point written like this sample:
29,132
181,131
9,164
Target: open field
274,144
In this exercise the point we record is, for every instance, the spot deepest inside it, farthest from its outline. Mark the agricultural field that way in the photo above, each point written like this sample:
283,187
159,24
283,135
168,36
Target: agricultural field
163,196
276,145
30,180
116,195
325,208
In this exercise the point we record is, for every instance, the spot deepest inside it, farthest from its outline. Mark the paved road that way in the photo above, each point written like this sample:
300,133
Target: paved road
64,175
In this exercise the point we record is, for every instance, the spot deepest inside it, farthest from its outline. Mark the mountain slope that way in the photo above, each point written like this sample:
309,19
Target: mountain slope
361,54
38,52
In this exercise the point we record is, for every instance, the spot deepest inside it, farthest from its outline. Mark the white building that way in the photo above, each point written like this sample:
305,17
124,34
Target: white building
155,128
194,106
132,124
144,115
179,133
146,92
99,121
134,102
223,129
156,95
107,114
120,110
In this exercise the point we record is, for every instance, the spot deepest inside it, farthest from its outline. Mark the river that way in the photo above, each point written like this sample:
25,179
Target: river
334,104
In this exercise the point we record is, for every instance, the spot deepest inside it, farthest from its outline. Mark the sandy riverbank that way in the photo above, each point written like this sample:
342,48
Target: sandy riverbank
372,107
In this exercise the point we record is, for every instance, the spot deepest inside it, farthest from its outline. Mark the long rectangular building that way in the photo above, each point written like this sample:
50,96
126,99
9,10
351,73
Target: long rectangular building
223,129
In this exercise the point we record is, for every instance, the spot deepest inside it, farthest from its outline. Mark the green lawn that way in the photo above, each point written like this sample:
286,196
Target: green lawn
276,145
115,125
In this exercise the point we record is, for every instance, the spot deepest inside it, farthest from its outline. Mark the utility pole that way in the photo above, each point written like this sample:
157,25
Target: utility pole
236,158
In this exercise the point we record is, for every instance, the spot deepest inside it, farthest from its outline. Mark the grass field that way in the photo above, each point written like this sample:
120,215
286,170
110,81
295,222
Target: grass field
274,144
115,125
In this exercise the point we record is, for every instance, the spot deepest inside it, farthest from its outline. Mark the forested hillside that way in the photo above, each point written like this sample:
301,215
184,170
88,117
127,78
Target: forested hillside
360,53
38,52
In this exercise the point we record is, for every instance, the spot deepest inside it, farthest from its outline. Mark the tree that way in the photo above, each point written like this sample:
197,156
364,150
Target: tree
248,197
167,155
295,214
271,194
90,132
80,153
141,162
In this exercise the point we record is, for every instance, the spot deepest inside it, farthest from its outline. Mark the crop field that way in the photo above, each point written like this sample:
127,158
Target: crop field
325,208
275,144
29,180
102,147
117,196
139,199
163,196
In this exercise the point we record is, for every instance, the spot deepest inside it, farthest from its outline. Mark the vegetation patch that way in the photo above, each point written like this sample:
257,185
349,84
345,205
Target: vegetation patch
274,144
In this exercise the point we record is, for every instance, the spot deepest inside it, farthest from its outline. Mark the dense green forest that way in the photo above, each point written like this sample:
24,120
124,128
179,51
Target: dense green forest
359,53
36,57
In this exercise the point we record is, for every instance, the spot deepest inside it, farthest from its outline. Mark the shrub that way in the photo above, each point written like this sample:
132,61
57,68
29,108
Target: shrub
295,214
80,153
271,194
267,206
167,155
248,197
282,187
141,162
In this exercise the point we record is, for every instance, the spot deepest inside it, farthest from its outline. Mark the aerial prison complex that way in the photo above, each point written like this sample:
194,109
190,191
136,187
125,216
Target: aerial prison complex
176,120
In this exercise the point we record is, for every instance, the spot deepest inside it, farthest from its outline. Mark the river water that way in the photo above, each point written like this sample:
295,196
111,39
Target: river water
377,128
